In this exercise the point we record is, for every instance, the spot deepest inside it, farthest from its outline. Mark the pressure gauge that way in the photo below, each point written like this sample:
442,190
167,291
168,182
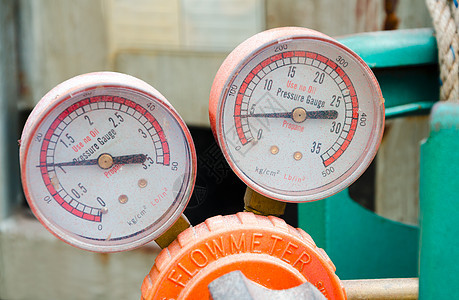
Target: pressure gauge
298,116
107,164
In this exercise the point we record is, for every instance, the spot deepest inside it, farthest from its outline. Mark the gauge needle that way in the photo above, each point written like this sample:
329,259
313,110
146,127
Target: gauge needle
298,115
104,161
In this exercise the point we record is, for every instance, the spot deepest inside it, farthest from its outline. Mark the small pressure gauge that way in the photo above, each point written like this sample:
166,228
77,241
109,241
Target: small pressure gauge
107,164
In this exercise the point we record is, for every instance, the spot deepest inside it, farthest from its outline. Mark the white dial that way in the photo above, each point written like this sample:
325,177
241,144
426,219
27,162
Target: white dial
298,116
107,164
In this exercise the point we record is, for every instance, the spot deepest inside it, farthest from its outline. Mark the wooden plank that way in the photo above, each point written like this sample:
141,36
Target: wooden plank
397,172
328,16
210,25
143,24
59,40
39,266
184,78
9,177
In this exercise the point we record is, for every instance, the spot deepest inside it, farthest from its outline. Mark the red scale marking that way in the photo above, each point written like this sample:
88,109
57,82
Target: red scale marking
140,109
165,147
237,110
311,55
73,107
347,81
340,72
54,125
152,120
266,62
43,170
240,132
88,217
337,154
351,90
167,159
243,88
350,135
84,102
130,103
331,64
67,206
257,69
45,176
51,189
118,99
77,212
238,123
239,99
300,53
59,199
287,54
45,145
354,124
345,145
322,58
43,156
329,161
355,103
63,115
276,57
249,78
95,99
156,126
49,134
162,137
107,98
355,111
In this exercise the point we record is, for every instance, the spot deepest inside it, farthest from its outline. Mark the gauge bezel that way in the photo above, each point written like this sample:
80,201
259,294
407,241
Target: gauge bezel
81,84
231,68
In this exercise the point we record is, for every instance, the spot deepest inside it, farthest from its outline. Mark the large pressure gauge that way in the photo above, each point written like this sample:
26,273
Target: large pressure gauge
298,115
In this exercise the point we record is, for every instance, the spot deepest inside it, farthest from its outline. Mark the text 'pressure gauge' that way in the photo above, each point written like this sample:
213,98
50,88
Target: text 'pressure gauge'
107,164
298,116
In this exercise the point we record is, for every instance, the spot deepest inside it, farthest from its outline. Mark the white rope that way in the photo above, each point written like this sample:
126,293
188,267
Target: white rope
445,15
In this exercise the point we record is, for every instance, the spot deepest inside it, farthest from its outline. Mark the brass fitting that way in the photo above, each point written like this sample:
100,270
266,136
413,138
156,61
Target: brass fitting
262,205
171,234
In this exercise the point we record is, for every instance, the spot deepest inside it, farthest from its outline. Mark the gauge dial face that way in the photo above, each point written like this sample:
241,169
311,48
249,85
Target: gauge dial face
299,118
107,166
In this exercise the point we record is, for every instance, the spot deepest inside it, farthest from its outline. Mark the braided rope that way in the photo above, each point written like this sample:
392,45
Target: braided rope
445,15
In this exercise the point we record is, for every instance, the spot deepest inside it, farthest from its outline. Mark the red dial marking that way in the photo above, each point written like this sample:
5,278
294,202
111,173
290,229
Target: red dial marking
245,136
95,214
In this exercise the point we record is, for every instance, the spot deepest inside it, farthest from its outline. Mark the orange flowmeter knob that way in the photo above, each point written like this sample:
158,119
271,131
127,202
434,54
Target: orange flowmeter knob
266,250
